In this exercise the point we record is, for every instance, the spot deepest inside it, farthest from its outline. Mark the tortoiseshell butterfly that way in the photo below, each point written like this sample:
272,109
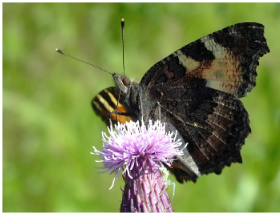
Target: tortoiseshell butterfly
197,89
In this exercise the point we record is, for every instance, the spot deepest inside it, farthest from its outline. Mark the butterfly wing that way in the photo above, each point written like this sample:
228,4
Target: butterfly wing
226,60
198,87
213,123
105,102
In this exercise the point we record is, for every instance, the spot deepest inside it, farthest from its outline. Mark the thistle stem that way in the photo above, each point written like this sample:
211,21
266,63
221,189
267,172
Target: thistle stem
145,192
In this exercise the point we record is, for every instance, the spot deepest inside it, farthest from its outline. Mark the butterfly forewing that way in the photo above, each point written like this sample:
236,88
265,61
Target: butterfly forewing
106,102
226,60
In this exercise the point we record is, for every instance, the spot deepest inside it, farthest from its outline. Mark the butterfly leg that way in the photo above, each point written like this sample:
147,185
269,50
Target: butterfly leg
119,113
167,182
159,111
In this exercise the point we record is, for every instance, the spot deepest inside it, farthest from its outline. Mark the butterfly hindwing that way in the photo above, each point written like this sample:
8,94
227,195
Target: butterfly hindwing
213,123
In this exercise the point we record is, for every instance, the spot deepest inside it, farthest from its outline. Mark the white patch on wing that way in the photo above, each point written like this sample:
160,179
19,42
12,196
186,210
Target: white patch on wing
189,63
219,51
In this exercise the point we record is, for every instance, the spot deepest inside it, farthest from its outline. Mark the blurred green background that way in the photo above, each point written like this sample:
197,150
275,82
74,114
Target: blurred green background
49,127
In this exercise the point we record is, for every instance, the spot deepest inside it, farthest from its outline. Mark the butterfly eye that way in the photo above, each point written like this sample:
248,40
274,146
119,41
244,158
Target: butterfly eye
126,81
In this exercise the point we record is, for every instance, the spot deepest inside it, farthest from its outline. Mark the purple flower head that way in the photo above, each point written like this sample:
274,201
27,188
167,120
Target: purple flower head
133,145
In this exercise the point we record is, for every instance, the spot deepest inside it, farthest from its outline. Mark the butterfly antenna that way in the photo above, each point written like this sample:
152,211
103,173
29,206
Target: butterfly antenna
63,53
122,25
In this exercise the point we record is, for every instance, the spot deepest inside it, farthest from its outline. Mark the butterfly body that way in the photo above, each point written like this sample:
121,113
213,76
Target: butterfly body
196,92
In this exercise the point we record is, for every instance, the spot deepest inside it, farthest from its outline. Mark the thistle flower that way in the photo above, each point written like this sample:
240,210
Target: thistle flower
140,152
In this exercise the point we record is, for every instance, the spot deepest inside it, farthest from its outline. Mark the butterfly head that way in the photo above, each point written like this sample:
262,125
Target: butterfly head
122,83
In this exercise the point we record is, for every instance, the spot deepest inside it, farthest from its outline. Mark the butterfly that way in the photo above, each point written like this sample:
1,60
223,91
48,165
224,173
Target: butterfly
196,92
